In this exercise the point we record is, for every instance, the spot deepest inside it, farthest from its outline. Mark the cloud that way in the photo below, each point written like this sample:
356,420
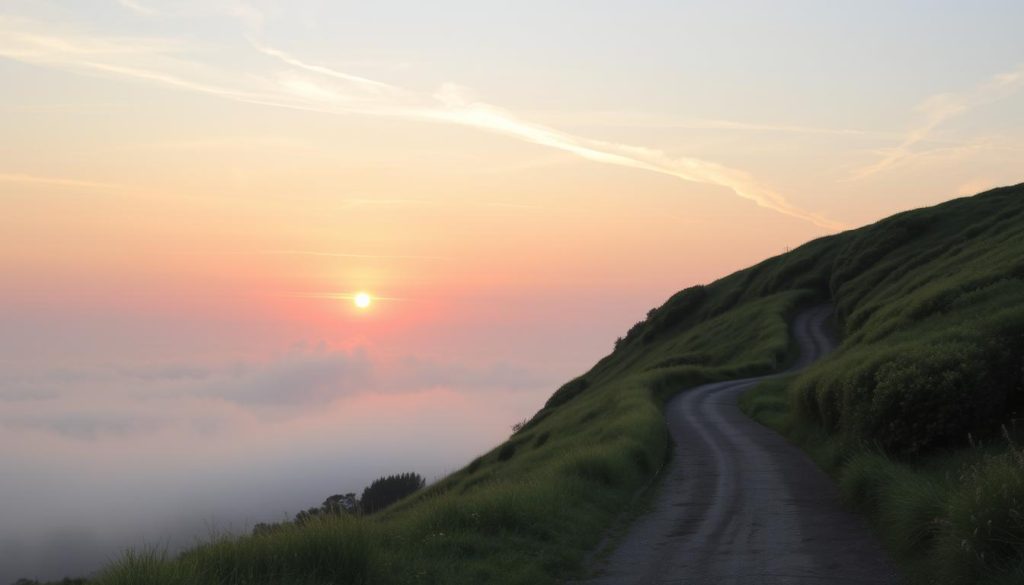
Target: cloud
57,181
412,372
369,85
137,7
938,109
317,88
84,426
112,402
239,10
646,120
294,382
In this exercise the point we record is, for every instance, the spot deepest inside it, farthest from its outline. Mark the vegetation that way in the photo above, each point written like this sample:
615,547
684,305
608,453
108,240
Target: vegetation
917,414
380,494
907,414
387,490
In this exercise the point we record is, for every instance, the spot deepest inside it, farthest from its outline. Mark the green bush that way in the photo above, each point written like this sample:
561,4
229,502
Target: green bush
932,397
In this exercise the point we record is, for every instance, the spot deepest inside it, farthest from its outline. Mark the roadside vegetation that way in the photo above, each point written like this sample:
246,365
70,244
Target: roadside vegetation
908,413
918,413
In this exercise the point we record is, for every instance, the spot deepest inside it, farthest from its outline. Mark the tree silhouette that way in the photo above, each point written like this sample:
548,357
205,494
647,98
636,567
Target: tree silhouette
341,504
387,490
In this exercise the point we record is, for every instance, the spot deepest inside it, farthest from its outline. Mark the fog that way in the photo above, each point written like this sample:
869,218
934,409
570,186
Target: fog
98,458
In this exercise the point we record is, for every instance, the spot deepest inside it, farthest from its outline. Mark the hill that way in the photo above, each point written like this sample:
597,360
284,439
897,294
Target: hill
909,414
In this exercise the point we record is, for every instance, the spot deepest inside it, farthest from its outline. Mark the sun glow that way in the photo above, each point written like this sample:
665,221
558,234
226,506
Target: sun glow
362,300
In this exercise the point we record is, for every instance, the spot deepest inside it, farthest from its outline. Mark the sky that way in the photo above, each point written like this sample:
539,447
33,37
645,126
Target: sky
192,192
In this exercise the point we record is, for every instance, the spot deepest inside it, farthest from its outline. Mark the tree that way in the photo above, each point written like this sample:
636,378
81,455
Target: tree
341,504
307,515
387,490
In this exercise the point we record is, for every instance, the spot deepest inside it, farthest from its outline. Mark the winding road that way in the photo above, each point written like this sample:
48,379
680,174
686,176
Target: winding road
741,505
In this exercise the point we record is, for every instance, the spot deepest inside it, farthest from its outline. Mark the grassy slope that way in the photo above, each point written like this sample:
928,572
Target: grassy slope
917,413
529,510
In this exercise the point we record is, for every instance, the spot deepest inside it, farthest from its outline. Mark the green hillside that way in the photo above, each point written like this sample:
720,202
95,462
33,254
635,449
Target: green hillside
918,414
931,308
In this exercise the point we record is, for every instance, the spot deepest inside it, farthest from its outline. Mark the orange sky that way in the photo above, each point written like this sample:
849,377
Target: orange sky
192,191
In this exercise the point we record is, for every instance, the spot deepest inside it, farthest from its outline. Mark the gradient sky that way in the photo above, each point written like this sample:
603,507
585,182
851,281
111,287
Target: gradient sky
191,191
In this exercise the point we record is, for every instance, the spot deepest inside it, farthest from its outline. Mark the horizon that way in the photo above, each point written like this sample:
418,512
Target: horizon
196,194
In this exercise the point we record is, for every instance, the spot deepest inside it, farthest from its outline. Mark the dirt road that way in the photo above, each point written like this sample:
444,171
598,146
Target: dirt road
740,505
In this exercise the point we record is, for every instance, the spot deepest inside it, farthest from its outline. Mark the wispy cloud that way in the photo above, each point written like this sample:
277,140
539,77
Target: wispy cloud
374,87
314,87
938,109
240,10
57,181
137,7
628,119
717,124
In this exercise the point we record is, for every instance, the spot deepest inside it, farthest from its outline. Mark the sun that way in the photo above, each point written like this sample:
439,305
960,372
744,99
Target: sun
362,300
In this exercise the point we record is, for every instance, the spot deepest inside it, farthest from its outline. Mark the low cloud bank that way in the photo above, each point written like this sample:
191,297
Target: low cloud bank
100,457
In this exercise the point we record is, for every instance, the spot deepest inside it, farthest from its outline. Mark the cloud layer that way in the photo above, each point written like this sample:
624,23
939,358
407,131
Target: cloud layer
101,457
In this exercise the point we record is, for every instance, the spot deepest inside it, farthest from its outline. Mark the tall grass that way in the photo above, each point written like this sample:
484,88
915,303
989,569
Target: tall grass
952,517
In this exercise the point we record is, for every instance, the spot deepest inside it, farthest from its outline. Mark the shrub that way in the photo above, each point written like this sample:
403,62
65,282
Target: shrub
674,312
932,397
507,451
567,392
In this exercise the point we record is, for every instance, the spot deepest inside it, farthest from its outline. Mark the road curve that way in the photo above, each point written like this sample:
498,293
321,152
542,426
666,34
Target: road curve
739,504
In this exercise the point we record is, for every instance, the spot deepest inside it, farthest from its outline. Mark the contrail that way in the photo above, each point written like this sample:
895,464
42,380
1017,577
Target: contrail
940,108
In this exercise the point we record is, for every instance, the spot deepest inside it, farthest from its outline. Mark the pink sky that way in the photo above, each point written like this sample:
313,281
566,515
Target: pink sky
191,192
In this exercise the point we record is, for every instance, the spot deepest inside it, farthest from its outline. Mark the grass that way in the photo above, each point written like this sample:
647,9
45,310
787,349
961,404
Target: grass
930,304
955,516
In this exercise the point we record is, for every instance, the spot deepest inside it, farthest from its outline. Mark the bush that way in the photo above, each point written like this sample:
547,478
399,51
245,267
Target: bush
507,451
932,397
674,312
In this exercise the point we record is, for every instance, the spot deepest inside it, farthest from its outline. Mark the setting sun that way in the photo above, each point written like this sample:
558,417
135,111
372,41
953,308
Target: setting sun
362,300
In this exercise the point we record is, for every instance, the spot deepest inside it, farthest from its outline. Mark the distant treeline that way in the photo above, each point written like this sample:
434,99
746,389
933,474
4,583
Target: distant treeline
378,495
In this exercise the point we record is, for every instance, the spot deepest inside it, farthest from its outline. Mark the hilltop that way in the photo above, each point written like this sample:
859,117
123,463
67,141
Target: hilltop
915,415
